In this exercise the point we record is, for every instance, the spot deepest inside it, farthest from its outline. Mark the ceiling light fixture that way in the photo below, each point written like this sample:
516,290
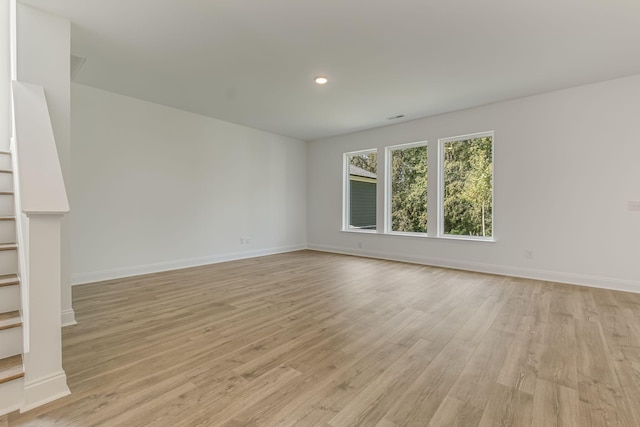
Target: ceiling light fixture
321,80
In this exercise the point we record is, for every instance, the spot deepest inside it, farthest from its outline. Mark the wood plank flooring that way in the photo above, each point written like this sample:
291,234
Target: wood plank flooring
316,339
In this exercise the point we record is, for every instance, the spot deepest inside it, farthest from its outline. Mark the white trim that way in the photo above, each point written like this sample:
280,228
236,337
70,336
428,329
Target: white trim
409,234
502,270
407,145
68,317
44,390
13,40
467,238
360,230
137,270
346,183
440,192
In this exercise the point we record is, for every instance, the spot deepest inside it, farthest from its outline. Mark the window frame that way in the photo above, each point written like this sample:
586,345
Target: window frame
388,156
346,191
440,194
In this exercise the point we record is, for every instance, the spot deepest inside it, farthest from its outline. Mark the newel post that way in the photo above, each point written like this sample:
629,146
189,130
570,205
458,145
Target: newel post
45,380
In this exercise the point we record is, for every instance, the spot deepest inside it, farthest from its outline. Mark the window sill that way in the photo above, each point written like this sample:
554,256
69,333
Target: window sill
423,236
407,234
468,238
359,231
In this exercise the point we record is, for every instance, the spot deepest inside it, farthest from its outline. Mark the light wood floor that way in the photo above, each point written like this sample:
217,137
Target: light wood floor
310,339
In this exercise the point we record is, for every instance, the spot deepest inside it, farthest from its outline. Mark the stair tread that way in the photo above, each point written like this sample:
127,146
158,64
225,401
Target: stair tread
7,246
7,218
10,319
6,193
6,171
9,280
5,152
11,368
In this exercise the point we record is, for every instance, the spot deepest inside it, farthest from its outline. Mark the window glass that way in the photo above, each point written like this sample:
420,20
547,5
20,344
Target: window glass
467,196
408,180
361,190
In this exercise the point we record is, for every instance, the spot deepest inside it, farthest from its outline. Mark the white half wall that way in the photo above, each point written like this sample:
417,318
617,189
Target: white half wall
155,188
566,166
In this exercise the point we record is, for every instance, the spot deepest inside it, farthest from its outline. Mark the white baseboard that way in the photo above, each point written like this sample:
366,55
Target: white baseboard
502,270
44,390
69,318
118,273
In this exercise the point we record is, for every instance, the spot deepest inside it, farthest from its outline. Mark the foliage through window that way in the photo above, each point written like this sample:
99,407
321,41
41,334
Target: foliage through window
467,175
408,193
361,190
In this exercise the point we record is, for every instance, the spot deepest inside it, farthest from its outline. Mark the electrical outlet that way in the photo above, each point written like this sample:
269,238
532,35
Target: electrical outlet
242,240
246,240
528,254
359,245
634,205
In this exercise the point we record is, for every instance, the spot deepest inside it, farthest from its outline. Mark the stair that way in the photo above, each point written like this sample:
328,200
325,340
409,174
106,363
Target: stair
11,322
9,293
10,334
11,368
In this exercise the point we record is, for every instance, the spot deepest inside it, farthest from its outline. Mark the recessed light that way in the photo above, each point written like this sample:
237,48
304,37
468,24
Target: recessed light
321,80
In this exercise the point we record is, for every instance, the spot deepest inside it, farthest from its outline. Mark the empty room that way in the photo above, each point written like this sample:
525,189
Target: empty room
288,213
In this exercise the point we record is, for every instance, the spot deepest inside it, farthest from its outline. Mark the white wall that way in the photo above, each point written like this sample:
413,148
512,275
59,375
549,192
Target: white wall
5,76
43,52
566,164
43,58
156,188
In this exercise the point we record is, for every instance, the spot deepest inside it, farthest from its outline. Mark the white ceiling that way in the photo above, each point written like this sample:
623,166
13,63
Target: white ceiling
252,62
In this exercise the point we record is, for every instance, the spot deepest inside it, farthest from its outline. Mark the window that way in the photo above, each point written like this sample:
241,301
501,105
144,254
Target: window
406,194
461,208
360,190
466,182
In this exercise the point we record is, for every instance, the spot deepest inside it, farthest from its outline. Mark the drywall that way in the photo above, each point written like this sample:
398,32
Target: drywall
156,188
566,165
5,75
43,59
43,52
